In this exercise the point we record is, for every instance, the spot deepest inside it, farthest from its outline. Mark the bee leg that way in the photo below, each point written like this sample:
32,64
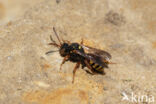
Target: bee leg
88,65
84,65
103,73
64,60
82,41
74,71
90,72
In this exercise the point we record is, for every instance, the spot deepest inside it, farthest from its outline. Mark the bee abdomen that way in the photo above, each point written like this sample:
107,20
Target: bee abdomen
96,67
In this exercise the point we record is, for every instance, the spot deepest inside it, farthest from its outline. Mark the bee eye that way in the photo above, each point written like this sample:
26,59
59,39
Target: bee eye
64,45
62,50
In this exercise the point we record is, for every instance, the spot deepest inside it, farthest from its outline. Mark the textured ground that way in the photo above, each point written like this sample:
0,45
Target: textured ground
126,29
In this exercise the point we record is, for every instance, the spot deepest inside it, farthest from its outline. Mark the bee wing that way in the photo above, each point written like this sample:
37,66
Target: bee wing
97,52
97,56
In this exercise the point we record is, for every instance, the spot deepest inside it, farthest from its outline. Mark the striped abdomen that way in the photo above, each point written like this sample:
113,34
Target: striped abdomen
96,67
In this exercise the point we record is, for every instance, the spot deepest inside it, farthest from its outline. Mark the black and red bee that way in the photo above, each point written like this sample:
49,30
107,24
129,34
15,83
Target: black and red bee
94,59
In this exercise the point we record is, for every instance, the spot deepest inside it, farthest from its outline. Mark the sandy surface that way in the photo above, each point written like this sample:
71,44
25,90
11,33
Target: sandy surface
126,29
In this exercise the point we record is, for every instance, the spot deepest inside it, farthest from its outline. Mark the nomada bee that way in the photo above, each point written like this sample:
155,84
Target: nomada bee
94,59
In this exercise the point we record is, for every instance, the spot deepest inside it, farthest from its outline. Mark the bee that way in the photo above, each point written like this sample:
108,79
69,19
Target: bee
94,59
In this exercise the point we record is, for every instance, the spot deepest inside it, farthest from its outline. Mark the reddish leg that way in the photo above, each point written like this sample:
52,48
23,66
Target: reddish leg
88,65
82,41
74,71
64,60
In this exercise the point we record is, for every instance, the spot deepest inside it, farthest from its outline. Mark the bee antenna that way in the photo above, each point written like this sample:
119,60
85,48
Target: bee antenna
57,35
52,39
51,51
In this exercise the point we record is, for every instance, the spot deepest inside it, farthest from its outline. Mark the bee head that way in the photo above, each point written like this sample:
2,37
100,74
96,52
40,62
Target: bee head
64,49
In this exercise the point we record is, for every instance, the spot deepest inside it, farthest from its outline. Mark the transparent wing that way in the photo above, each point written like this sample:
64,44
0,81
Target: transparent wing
97,52
101,59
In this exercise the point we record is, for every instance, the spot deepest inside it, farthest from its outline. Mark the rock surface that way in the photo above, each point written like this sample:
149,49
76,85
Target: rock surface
126,29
